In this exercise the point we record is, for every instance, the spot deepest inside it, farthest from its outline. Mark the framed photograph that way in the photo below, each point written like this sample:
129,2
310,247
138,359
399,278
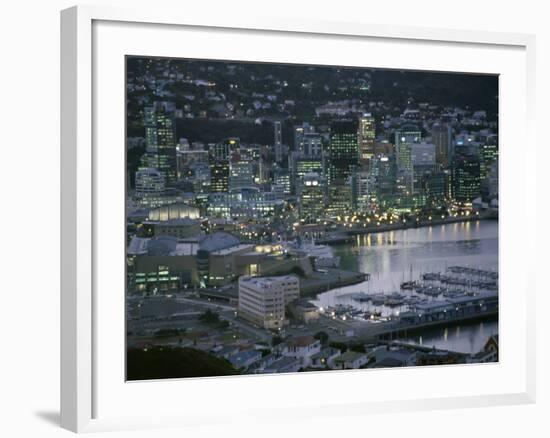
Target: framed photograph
290,219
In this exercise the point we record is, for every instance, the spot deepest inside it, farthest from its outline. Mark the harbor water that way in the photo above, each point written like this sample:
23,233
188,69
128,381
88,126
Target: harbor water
394,257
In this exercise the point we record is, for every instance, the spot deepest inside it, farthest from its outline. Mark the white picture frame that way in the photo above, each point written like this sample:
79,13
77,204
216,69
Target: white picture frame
83,370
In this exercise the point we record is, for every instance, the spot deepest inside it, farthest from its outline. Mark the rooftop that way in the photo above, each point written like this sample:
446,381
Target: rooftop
283,363
176,222
349,356
162,245
138,246
239,247
302,341
185,249
244,356
219,240
326,353
267,281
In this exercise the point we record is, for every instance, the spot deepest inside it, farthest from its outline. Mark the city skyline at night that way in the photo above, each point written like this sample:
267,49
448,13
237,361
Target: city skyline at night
285,218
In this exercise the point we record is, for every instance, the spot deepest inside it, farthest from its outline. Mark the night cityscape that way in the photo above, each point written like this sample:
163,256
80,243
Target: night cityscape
294,218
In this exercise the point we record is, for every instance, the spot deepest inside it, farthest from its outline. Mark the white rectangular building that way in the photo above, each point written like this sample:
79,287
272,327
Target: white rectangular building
262,300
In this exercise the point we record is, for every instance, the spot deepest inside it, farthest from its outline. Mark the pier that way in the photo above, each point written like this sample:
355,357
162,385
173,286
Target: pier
430,315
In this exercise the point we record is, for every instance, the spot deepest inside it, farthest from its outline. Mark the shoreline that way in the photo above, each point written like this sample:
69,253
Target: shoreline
348,235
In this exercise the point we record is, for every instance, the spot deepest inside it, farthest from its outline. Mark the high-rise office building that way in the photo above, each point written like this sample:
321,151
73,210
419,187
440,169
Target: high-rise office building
434,185
404,182
340,197
278,141
149,187
466,178
281,177
384,147
304,165
441,138
405,137
312,196
423,154
408,134
312,145
488,155
493,181
160,141
201,178
383,169
241,172
219,176
404,156
363,191
262,300
366,137
343,150
223,149
299,132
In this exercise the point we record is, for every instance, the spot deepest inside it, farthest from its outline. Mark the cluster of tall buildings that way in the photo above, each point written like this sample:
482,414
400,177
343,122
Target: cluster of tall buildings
342,166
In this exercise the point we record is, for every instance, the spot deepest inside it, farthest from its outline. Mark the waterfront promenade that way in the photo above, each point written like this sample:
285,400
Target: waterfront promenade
346,235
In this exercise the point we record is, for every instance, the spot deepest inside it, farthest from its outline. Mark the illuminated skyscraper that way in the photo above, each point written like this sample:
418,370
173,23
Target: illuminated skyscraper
219,176
149,187
305,165
241,172
363,191
441,137
366,137
160,141
340,197
434,185
404,156
488,155
466,178
423,154
299,132
278,141
312,145
343,150
404,139
386,175
281,177
311,197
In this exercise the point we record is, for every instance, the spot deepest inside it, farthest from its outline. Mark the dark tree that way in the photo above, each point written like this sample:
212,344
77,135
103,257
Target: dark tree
171,363
321,336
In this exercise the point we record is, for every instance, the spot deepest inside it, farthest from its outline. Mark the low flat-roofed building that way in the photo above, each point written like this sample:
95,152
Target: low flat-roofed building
304,311
179,228
160,264
216,259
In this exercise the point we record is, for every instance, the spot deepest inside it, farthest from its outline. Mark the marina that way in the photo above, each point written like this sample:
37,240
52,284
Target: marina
415,289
